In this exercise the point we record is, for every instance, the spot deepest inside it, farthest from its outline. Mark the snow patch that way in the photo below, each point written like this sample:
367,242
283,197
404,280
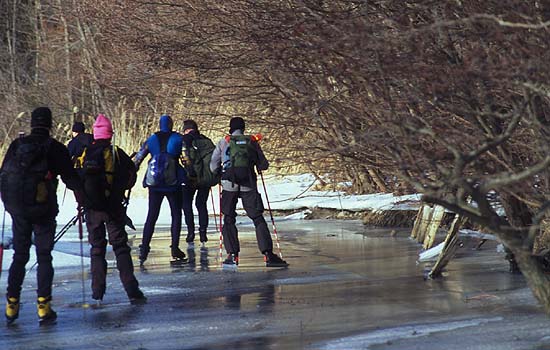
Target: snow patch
432,253
364,341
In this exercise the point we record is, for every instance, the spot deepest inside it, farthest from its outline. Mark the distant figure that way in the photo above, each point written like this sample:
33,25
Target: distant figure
28,186
197,155
80,140
107,173
163,178
237,155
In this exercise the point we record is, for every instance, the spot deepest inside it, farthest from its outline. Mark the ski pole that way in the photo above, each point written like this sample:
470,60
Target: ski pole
216,219
80,236
2,243
271,215
64,229
60,234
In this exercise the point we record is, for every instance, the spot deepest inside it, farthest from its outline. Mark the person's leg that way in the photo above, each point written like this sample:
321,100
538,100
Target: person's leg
155,201
44,233
175,201
22,240
188,193
254,207
118,238
202,209
229,230
95,224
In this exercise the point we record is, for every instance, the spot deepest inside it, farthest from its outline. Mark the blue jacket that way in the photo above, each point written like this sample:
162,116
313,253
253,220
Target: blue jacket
153,146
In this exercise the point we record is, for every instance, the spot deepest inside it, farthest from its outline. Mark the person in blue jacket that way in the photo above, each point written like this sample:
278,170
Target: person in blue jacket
163,178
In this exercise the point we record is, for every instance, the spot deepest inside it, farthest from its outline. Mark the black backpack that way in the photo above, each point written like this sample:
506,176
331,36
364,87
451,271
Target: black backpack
200,155
26,184
97,168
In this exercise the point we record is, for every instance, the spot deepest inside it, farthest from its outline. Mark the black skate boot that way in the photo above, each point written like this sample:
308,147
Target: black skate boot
203,236
178,256
273,260
231,262
143,253
136,297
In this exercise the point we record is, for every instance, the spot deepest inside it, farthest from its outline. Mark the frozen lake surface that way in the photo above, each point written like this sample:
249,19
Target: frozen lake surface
348,287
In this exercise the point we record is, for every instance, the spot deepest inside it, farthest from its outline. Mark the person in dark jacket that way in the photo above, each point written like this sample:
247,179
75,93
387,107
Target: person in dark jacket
80,140
105,211
163,146
26,220
248,192
191,133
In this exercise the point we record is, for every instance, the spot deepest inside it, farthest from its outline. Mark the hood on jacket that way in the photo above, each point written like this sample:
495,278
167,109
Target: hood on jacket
166,123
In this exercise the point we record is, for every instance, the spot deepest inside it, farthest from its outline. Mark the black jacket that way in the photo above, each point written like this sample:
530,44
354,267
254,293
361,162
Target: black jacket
59,163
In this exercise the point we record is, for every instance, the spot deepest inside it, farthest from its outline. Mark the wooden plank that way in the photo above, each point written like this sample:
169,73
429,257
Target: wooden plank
424,221
433,226
417,222
449,249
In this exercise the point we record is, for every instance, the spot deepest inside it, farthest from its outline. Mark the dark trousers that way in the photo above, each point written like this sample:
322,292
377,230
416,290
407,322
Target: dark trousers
100,223
44,232
254,207
200,202
155,201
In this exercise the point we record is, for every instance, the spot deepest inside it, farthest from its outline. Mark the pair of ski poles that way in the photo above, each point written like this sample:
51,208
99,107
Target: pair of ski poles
274,227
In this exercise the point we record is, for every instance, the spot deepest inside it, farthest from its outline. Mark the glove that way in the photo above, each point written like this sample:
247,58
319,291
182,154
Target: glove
79,196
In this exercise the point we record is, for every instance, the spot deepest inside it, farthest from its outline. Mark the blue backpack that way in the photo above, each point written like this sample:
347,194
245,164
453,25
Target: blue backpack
163,169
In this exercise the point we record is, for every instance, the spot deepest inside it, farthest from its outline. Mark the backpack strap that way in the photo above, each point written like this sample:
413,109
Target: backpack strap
163,138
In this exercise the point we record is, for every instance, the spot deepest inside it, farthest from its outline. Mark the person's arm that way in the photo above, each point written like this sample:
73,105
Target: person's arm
10,152
261,162
141,154
61,164
216,160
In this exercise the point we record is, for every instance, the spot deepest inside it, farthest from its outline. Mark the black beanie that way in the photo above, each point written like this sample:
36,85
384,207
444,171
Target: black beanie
79,127
236,123
41,117
190,124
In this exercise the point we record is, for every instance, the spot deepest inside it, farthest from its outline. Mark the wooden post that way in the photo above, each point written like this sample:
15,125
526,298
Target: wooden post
435,221
417,222
426,218
449,248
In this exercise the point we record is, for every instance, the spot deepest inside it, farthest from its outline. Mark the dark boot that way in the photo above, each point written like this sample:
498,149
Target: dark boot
177,254
136,297
232,260
273,260
203,237
143,253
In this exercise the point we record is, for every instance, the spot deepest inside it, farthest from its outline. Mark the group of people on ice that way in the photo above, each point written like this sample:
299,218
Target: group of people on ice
182,167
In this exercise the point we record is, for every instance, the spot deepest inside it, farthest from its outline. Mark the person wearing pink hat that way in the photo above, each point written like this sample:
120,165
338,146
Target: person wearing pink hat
107,173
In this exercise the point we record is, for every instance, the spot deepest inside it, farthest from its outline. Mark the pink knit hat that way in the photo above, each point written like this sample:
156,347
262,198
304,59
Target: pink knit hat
103,129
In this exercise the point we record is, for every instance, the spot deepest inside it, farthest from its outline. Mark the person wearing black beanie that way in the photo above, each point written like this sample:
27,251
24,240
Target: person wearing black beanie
79,142
236,123
34,210
41,117
239,180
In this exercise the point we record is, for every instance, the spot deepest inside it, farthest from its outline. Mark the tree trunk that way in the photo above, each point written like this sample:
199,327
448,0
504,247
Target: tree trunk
536,278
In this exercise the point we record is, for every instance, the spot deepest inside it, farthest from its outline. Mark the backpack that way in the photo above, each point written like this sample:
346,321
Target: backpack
162,169
26,184
97,168
239,159
200,154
